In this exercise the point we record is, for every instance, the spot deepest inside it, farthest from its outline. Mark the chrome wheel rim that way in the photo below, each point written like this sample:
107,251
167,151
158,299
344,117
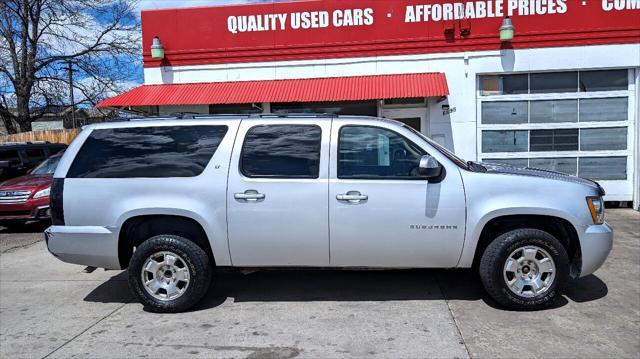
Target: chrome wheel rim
165,275
529,271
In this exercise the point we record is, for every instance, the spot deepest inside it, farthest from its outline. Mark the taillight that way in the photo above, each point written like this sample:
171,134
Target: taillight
56,202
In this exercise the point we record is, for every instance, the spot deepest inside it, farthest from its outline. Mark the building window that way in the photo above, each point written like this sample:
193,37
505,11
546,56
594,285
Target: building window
362,108
554,111
605,139
604,109
505,84
242,109
608,80
554,82
505,141
575,122
505,112
603,168
554,140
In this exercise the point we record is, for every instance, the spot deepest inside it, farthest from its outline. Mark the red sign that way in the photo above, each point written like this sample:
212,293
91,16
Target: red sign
358,28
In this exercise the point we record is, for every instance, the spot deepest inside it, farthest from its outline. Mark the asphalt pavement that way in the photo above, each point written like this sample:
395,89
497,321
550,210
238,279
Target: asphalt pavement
55,310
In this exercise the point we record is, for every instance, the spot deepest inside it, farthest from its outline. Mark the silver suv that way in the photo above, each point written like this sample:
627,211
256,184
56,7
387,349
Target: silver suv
171,199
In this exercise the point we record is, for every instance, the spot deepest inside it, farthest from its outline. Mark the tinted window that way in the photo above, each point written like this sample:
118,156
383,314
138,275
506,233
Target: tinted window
554,140
376,153
282,151
11,156
36,153
554,82
151,152
609,80
48,167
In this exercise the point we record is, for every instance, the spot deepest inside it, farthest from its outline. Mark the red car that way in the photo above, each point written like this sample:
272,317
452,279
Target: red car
27,197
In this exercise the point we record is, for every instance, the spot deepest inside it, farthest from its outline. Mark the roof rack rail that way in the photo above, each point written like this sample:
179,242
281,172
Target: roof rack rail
195,116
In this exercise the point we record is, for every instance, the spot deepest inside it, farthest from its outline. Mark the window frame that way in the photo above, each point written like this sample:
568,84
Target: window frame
276,177
360,178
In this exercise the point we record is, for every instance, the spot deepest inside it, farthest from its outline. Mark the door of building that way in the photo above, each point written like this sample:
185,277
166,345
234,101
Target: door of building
415,117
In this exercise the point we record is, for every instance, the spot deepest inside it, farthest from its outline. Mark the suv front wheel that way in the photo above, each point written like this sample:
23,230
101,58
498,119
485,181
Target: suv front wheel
169,273
524,269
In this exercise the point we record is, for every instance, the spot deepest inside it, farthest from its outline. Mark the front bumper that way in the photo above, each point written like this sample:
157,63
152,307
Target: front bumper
595,244
85,245
26,211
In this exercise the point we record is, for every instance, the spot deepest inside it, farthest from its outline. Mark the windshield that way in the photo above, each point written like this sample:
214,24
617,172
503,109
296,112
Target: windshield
48,167
455,159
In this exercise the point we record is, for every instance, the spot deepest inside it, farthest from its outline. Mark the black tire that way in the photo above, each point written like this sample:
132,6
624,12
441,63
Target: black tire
196,260
496,254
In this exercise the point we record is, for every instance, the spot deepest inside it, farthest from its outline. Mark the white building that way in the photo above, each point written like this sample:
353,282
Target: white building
562,94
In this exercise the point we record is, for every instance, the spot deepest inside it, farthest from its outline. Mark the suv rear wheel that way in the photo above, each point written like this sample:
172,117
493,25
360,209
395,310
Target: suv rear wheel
524,269
169,273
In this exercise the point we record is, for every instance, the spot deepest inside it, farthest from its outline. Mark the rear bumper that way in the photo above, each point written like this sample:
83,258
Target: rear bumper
85,245
595,244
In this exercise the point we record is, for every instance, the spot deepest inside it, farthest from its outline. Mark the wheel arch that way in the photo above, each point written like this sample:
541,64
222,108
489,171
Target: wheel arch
137,229
559,227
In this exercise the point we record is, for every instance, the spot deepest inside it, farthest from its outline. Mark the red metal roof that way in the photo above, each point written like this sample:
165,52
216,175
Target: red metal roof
296,90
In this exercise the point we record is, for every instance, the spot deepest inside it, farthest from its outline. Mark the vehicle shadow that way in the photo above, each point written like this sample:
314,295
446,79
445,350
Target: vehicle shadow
346,285
24,227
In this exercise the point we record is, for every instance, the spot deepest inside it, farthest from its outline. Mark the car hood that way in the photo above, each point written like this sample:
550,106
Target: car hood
540,173
26,182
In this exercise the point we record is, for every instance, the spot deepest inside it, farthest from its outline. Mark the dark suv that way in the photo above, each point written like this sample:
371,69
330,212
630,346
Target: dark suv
16,158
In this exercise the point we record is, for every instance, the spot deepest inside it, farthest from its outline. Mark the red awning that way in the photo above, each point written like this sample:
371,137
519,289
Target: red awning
298,90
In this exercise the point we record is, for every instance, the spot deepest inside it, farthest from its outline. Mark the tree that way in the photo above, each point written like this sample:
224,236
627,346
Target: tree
38,40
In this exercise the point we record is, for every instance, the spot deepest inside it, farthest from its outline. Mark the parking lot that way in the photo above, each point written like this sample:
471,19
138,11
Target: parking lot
52,309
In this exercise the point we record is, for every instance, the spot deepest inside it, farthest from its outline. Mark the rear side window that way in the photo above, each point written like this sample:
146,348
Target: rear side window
11,156
150,152
282,151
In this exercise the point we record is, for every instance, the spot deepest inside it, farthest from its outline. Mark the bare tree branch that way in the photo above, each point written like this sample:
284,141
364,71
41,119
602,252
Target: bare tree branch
38,38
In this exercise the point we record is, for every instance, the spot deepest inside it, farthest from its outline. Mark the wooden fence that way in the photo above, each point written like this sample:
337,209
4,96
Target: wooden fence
53,136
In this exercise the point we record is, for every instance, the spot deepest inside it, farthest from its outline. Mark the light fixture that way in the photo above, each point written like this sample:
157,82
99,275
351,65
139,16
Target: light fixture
507,30
157,50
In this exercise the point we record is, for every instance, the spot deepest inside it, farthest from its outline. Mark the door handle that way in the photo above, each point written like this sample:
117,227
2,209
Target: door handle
250,196
352,197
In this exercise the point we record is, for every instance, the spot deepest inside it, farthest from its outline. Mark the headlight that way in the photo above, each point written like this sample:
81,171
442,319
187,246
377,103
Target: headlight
42,193
596,207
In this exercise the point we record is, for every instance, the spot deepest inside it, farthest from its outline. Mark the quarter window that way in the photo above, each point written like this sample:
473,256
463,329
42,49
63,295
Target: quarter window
377,153
282,151
147,152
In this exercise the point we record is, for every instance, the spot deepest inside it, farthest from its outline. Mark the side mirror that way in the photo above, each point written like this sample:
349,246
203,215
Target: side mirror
430,168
